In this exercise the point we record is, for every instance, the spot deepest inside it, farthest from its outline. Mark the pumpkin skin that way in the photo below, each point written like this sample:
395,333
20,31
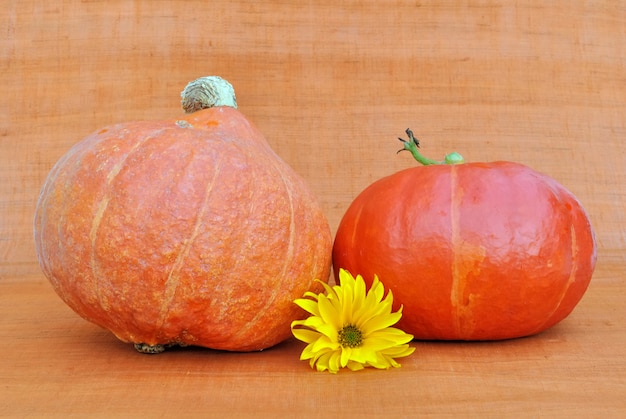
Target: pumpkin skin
190,232
474,251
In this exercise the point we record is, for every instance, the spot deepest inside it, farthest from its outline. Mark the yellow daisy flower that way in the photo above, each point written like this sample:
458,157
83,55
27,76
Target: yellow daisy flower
350,327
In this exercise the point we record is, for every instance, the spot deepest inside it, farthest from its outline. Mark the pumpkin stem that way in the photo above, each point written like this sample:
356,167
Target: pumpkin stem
413,144
145,348
207,92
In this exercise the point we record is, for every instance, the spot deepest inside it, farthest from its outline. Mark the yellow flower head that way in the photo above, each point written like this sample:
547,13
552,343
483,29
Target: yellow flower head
350,327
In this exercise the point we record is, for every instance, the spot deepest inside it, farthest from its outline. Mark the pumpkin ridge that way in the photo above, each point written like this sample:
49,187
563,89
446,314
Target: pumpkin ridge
454,239
43,203
102,206
60,181
44,195
287,259
243,151
570,280
172,282
461,310
95,225
357,219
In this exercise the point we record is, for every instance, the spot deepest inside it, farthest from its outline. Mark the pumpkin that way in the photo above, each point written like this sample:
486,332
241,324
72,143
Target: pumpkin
472,251
189,231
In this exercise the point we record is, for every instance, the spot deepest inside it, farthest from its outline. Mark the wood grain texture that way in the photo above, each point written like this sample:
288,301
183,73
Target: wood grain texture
331,85
57,365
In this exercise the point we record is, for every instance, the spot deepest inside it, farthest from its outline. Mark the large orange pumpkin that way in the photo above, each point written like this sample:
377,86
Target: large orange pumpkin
190,231
473,251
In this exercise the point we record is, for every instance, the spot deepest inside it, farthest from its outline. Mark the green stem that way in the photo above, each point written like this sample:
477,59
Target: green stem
413,144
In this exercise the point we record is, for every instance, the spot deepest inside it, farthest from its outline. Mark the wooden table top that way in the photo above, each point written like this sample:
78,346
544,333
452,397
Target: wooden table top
55,364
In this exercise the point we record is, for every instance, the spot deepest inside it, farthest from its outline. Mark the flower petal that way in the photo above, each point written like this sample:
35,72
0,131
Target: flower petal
392,334
334,361
345,356
355,366
324,344
305,335
399,351
380,322
308,305
328,313
307,353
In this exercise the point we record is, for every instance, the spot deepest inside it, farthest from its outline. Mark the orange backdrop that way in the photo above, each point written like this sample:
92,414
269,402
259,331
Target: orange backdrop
331,84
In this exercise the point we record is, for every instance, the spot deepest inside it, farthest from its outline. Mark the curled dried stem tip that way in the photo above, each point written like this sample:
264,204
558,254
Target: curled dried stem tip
207,92
413,144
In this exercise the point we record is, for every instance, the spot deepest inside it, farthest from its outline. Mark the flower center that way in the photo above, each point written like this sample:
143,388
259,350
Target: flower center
350,336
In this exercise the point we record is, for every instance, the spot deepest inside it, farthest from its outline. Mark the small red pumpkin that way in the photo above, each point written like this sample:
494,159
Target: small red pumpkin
190,231
473,251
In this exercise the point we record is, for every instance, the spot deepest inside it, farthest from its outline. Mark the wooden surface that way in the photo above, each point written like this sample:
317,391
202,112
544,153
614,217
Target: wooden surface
331,84
56,364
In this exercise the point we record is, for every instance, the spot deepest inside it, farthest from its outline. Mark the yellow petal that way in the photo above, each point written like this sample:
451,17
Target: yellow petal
321,363
330,293
379,322
308,305
399,351
328,313
372,305
312,322
377,290
305,335
344,276
359,287
316,324
323,344
355,366
311,295
345,356
333,361
380,363
363,355
307,353
346,309
391,334
358,298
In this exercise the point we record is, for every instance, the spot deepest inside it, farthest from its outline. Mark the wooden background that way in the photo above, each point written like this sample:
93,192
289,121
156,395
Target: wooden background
331,84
